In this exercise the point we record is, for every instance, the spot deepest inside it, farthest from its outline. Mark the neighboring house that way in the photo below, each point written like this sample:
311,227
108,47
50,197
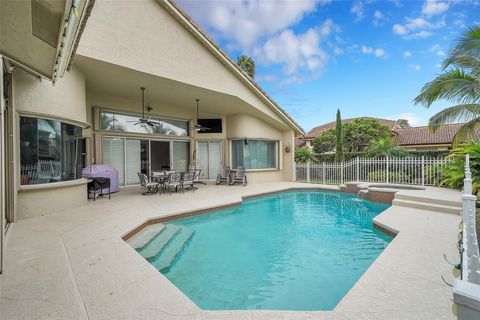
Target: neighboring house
422,139
88,116
413,138
307,139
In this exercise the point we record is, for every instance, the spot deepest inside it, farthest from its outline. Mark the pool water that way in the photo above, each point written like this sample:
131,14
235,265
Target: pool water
295,250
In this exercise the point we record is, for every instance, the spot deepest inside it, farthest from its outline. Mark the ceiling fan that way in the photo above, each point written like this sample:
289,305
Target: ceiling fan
143,120
197,127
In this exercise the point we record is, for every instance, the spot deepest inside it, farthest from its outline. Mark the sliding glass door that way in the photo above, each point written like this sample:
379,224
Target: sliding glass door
114,155
209,159
130,156
180,155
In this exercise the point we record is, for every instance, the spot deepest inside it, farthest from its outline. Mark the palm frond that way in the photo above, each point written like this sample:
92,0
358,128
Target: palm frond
458,113
466,131
462,61
467,44
455,85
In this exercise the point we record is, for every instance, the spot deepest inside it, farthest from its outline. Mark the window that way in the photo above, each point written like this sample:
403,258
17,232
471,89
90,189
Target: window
254,154
113,121
50,151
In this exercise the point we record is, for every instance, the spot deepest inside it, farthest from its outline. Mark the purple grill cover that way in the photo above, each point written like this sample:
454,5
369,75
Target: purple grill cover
102,170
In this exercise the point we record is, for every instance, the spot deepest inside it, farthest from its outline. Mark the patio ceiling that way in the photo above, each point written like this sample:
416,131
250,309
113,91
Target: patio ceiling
40,35
114,80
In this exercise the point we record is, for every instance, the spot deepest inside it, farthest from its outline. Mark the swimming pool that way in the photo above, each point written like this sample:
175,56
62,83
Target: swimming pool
295,250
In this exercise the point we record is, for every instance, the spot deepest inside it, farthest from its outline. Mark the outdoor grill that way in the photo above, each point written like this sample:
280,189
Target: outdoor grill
103,171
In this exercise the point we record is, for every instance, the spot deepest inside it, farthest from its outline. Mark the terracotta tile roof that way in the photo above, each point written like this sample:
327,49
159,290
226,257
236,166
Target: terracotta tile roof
299,142
315,132
422,135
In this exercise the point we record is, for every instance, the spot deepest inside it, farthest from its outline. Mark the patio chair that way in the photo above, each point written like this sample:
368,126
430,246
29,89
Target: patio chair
197,176
174,181
223,175
188,181
239,176
149,186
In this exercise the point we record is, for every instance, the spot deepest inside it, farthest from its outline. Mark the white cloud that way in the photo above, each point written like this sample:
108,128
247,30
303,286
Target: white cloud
417,28
411,117
358,9
379,18
399,29
367,50
414,67
434,7
295,51
245,22
437,49
378,52
338,51
407,54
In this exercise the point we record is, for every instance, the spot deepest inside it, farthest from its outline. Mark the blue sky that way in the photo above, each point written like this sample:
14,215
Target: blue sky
368,58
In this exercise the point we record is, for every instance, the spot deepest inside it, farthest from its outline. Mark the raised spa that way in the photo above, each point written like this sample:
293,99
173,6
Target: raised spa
294,250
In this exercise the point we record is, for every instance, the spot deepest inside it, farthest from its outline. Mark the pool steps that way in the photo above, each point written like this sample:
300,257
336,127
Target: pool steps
167,255
139,240
159,241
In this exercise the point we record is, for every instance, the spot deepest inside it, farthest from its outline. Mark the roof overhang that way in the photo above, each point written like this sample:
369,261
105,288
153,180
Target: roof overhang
40,36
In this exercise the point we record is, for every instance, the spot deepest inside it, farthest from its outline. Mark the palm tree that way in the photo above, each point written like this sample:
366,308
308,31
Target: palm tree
385,147
247,64
339,156
458,83
304,155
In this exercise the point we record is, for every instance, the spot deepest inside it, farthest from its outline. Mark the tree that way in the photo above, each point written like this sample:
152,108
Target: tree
360,132
304,155
325,142
339,156
403,123
459,83
385,147
247,64
357,136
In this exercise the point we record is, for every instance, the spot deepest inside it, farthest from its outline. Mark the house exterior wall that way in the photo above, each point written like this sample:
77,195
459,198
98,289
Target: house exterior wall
65,102
242,126
45,201
115,35
157,44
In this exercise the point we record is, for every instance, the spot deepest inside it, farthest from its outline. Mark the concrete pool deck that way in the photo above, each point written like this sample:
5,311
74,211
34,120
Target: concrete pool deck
74,264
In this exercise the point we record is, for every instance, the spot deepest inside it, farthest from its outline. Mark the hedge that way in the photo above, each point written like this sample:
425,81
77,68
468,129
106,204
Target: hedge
330,157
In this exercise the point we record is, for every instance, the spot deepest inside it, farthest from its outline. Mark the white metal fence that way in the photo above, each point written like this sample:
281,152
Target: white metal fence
466,291
401,170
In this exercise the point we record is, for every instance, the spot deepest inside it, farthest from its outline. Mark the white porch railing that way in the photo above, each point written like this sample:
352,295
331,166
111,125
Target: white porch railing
466,290
398,170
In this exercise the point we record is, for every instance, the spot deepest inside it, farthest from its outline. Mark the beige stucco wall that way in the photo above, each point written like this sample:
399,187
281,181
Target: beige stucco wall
65,100
41,202
145,37
245,126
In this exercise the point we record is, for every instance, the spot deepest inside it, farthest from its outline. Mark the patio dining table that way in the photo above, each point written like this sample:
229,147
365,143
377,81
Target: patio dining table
160,179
